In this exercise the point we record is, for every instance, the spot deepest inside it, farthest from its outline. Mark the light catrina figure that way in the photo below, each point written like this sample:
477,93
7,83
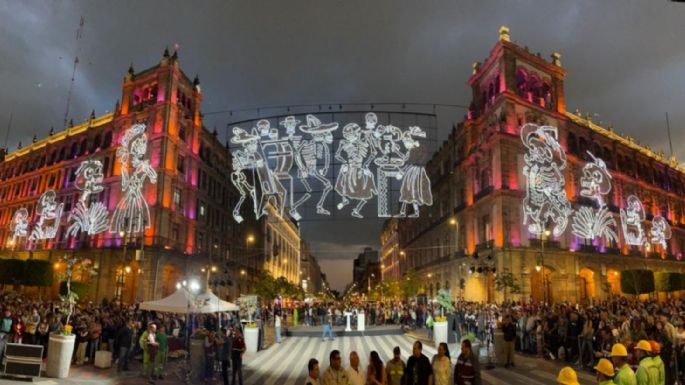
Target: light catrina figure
132,213
91,219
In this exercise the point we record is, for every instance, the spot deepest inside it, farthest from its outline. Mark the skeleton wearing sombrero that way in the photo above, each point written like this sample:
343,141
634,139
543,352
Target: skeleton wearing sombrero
49,214
596,180
251,175
631,222
307,156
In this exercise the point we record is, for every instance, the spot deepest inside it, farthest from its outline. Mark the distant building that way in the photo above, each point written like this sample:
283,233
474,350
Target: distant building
393,259
366,269
311,277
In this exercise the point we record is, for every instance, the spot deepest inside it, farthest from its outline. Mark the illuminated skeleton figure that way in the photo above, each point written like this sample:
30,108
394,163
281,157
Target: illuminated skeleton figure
416,186
631,222
545,195
355,180
252,176
660,232
49,215
595,183
94,219
596,180
132,214
307,156
20,224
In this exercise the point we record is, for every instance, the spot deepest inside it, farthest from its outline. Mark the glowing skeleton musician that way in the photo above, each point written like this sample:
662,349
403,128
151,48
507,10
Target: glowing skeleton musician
546,200
262,166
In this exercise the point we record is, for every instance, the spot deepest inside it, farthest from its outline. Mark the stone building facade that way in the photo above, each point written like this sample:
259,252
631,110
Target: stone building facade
475,229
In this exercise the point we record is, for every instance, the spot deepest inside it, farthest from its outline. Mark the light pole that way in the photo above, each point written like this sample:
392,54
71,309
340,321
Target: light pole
454,222
540,267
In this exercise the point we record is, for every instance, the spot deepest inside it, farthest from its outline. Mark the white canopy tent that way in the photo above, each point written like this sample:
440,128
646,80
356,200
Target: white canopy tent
182,301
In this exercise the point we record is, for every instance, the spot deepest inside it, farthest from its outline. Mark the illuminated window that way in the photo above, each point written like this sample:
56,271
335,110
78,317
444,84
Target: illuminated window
177,198
202,209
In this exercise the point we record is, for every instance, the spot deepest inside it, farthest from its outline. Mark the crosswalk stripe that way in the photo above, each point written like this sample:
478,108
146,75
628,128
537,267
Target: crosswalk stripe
295,374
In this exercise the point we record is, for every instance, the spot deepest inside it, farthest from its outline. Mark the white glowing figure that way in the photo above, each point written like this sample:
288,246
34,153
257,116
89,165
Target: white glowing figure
92,219
416,186
308,155
391,162
252,176
20,224
660,232
545,195
355,180
631,222
132,214
279,158
49,215
595,183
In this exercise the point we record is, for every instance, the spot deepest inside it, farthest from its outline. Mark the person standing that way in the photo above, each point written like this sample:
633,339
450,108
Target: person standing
354,372
123,342
148,343
442,366
624,375
658,362
429,325
209,356
327,322
160,358
375,372
313,369
419,369
81,343
277,325
335,374
467,369
567,376
223,344
509,331
237,351
647,373
605,372
395,368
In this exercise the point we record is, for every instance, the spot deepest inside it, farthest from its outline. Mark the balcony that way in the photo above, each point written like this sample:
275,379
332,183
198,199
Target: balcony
549,243
483,192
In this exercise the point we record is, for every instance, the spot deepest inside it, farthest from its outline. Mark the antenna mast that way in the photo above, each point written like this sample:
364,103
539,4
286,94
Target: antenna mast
79,34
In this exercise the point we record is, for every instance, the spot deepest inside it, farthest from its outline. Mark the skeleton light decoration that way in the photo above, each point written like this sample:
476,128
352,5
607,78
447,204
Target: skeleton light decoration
660,231
263,166
631,222
545,195
49,215
91,219
595,183
20,224
132,214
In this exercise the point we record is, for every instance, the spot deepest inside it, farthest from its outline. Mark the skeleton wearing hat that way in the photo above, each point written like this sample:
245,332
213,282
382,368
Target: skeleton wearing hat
355,180
48,218
416,186
132,213
631,221
251,175
596,180
20,224
307,156
93,219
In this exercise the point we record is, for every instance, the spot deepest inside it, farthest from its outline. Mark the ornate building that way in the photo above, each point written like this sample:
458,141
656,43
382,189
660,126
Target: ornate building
190,229
480,225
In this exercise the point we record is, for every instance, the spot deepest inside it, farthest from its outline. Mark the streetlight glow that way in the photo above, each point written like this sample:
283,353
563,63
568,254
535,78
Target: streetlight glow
194,286
453,221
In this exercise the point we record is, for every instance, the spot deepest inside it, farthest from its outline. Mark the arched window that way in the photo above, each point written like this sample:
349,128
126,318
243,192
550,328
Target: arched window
108,140
96,144
74,148
83,147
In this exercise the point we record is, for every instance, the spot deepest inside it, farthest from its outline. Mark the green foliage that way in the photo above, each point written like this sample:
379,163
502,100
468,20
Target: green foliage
411,284
444,298
269,287
506,281
78,289
12,271
637,281
668,281
38,272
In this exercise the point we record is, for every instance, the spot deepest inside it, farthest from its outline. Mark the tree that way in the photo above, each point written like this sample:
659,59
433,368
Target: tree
444,298
411,284
266,286
637,281
507,281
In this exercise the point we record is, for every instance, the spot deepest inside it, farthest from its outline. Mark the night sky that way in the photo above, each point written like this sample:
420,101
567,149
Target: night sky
626,63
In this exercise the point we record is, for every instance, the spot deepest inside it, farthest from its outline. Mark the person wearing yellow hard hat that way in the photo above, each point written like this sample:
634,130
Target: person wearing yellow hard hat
624,375
656,360
567,376
647,373
605,372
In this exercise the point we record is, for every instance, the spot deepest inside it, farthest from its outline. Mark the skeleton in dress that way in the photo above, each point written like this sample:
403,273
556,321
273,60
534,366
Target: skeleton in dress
595,183
261,183
49,216
545,195
416,186
355,179
307,156
132,214
93,219
631,222
660,231
20,224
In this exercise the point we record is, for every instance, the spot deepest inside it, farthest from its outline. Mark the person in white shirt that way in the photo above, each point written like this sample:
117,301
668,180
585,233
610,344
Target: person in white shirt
354,372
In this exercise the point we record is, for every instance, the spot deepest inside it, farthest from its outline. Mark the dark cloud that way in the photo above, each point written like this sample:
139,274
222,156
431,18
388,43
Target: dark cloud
624,57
